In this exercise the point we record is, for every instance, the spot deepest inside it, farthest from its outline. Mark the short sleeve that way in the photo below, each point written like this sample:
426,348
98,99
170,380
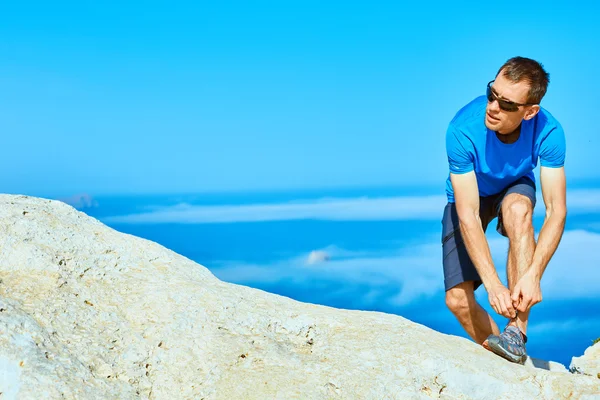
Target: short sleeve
459,150
553,149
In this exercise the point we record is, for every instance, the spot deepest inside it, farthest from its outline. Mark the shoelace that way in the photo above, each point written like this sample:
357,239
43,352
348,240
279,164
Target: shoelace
523,336
513,340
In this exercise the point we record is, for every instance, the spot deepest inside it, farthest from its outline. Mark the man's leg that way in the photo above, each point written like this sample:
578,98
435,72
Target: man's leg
460,275
474,319
515,222
517,218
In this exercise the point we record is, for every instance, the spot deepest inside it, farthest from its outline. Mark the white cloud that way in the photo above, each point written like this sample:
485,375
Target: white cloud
324,209
332,209
417,270
317,256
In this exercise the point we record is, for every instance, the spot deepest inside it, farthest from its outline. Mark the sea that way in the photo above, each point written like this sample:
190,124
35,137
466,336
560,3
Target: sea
373,249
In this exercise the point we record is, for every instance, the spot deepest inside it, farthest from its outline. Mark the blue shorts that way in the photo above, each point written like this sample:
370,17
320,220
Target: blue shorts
458,266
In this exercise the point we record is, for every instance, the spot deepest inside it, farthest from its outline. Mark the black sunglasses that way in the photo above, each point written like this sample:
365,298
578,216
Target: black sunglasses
505,105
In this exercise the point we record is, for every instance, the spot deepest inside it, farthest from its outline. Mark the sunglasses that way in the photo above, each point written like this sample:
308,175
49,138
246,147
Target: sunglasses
505,105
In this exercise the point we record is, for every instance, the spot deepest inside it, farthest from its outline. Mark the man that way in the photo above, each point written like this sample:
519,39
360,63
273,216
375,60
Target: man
493,145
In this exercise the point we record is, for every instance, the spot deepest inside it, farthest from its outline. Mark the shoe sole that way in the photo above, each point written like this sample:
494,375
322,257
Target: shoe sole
504,354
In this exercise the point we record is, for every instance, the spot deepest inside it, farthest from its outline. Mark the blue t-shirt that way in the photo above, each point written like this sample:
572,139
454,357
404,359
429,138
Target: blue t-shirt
470,145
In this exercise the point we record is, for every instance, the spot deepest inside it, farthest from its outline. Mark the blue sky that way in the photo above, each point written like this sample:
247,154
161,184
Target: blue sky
162,97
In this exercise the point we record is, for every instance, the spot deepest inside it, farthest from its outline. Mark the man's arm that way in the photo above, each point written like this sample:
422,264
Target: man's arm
555,198
466,197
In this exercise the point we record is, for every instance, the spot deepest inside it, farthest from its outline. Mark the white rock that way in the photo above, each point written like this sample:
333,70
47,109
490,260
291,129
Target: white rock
588,363
91,313
10,378
547,365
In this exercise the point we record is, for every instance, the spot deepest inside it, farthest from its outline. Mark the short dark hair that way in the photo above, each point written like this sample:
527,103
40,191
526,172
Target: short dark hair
519,69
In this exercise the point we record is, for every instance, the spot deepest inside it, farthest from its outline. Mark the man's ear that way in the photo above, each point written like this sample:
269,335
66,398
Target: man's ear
531,112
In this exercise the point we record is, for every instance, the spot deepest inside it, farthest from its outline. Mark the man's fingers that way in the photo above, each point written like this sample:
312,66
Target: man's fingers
524,306
504,307
497,306
516,294
509,306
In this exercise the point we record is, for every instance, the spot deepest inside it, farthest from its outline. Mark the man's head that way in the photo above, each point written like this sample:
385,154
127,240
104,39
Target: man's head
515,94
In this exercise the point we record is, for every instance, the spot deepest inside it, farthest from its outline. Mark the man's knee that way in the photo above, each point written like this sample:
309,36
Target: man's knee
517,214
461,298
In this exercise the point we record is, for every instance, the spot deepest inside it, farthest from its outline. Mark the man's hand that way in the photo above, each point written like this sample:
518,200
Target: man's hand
500,300
527,292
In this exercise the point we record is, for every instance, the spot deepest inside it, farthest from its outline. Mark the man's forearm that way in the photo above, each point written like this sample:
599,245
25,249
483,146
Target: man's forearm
548,241
479,250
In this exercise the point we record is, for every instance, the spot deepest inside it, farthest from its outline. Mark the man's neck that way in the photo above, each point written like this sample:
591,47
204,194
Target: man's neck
510,137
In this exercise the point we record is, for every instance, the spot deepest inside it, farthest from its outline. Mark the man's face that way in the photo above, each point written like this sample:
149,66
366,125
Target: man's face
505,122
